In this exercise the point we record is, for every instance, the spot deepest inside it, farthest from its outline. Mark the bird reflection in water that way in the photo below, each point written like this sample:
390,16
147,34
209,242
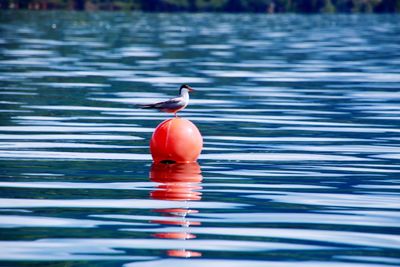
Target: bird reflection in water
177,182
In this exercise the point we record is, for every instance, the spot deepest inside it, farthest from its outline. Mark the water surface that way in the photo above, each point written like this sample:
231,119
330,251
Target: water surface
301,123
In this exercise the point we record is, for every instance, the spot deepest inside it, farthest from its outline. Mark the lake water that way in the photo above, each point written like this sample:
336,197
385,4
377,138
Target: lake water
301,123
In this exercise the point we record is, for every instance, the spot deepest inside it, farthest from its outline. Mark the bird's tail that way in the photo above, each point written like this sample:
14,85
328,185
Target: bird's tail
145,106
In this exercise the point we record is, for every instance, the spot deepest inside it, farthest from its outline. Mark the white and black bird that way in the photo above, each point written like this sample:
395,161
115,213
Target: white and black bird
172,105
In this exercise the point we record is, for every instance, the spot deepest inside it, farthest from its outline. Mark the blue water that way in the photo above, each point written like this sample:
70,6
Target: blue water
301,123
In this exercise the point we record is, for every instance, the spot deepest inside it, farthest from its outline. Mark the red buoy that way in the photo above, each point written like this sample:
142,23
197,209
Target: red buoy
176,140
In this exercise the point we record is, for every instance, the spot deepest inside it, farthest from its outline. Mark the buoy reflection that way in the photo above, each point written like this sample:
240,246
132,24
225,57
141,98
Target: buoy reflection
177,182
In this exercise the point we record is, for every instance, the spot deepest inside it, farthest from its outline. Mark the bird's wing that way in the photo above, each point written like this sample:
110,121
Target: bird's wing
169,104
173,103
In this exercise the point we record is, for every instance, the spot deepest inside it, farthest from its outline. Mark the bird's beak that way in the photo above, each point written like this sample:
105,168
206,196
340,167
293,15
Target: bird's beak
190,89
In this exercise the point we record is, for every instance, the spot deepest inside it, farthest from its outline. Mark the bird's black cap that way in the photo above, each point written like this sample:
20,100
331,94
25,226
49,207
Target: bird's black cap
185,86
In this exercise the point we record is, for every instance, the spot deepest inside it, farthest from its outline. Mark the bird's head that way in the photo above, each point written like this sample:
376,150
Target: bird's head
185,87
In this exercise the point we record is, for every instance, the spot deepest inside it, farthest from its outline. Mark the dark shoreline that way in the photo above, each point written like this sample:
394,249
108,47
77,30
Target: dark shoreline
221,6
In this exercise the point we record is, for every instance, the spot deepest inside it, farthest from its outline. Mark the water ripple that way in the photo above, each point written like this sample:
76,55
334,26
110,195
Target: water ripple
300,119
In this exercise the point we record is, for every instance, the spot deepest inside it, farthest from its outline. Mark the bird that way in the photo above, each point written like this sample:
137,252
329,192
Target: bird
172,105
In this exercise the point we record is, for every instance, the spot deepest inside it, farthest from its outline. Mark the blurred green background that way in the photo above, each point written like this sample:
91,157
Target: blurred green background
261,6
